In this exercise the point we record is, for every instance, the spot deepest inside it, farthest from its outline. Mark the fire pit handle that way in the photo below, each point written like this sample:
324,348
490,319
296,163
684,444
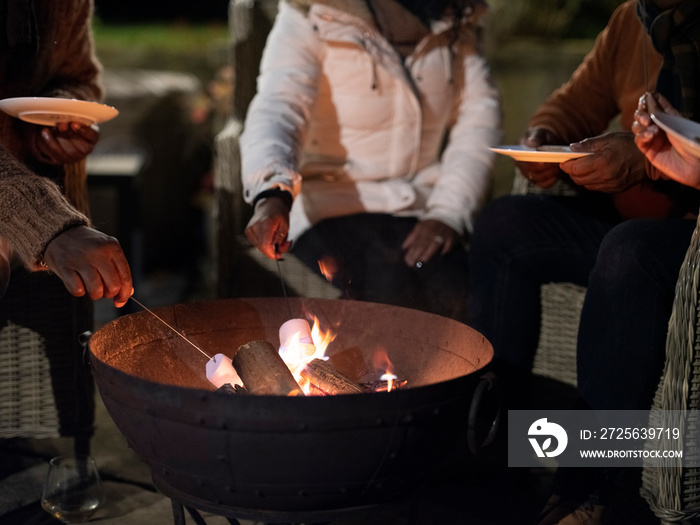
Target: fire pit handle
487,383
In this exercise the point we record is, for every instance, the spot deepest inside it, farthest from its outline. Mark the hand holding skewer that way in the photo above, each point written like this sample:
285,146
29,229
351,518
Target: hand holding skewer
269,226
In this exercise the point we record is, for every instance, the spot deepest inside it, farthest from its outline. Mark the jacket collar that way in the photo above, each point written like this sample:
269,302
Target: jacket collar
359,9
356,8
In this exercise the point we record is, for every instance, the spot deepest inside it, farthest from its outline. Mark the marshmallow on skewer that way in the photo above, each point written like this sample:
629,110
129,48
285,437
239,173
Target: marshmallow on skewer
220,371
296,333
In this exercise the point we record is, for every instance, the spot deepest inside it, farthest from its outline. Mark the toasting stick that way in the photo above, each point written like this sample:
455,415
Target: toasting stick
166,324
296,332
279,271
219,368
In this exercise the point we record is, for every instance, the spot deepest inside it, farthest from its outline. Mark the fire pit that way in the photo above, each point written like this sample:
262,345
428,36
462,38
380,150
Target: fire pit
278,458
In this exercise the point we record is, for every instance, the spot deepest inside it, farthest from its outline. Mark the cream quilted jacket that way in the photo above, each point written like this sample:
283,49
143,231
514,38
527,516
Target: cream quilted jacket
348,126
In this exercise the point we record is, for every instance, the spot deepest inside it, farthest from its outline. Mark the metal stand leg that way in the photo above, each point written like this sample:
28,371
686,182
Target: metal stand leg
178,512
196,516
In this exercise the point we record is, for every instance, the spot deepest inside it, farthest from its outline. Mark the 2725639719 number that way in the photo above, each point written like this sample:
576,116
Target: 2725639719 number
638,433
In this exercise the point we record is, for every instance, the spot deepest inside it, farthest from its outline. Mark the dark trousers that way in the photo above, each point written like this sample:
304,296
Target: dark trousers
366,260
630,270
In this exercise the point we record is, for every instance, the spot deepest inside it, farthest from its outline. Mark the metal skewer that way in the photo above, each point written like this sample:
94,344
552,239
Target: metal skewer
279,271
166,324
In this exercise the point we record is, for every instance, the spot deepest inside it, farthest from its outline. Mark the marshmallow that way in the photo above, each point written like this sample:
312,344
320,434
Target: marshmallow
295,330
220,371
296,344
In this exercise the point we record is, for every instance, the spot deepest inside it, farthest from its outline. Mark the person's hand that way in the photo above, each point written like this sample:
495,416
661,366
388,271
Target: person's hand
544,174
664,152
5,264
615,165
428,238
64,143
269,226
90,262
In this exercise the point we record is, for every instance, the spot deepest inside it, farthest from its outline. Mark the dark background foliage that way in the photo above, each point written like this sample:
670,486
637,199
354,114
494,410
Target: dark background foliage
143,11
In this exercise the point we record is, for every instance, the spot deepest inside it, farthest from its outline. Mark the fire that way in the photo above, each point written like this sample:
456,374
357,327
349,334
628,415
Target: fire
328,267
381,361
299,351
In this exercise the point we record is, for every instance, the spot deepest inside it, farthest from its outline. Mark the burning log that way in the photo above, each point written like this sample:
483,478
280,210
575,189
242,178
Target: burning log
263,371
322,375
385,385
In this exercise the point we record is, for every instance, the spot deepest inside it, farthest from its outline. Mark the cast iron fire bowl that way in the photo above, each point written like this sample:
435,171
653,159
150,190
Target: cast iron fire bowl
245,455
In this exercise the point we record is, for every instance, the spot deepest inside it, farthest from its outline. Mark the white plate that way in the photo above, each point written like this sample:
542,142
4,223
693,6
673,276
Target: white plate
48,111
686,131
555,154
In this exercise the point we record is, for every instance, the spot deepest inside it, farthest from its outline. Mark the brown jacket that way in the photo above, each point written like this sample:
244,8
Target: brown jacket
46,50
607,86
608,82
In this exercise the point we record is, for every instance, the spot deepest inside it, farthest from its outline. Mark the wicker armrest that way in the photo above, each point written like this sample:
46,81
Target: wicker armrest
672,490
46,389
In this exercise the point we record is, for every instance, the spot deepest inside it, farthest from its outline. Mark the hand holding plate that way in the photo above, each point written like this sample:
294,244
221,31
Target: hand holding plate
542,173
65,143
614,163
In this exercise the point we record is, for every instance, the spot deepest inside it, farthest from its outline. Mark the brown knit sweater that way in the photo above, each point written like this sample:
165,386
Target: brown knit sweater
608,83
46,50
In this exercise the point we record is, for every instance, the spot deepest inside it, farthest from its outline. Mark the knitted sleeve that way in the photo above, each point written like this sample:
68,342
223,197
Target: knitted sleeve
33,211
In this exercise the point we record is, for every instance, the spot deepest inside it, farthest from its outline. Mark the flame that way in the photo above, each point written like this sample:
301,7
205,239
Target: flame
381,362
328,267
389,378
297,354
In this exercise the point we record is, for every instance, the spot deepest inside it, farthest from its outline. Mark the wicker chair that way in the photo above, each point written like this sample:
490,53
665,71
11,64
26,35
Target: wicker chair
46,389
673,491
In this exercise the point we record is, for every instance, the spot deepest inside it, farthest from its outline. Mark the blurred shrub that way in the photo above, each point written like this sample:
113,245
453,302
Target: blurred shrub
510,19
